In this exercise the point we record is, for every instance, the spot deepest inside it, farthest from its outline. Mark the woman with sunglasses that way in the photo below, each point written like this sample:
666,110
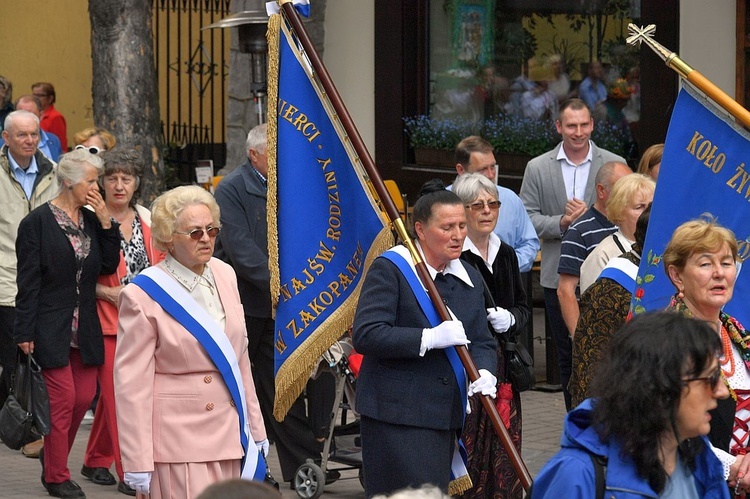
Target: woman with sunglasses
643,433
187,412
94,140
123,170
498,264
700,260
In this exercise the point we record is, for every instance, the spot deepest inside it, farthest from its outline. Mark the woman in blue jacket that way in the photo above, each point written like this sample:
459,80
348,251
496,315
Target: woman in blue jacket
648,420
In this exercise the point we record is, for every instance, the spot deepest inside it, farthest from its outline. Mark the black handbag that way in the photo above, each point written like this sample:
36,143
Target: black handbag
519,366
29,377
19,425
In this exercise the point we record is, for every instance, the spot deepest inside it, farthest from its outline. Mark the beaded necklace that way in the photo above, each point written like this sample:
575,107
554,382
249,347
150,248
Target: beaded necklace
728,353
736,333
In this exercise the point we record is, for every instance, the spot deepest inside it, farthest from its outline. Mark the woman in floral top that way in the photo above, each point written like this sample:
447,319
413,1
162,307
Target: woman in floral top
700,260
62,249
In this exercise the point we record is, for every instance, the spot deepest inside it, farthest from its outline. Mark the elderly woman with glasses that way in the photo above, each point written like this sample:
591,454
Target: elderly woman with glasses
123,170
508,313
94,140
187,412
700,260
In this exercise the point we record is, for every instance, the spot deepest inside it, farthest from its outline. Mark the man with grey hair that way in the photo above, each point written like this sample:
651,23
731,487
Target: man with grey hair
49,143
243,243
27,180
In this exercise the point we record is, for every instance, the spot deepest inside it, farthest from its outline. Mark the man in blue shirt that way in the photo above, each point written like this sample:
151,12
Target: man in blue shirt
49,144
514,227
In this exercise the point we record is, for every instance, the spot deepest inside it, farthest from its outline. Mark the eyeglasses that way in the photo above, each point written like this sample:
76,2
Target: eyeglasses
197,234
40,95
92,149
711,380
479,206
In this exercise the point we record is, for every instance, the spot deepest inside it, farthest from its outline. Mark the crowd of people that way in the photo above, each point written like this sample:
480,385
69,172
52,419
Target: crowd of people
168,310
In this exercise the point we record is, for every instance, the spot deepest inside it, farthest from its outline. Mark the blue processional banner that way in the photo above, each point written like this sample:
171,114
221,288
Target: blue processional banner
705,170
324,225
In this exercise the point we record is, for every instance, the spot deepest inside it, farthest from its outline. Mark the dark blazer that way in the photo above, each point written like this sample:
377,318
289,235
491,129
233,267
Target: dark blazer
243,241
47,287
504,283
395,384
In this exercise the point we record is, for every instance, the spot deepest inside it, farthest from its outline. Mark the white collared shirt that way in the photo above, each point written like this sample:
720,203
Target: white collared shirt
454,267
575,176
491,252
202,288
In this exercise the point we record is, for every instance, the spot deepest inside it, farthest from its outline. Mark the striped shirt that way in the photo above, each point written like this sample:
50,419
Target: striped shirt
581,238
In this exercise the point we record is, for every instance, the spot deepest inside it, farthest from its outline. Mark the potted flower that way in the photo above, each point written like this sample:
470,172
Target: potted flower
434,139
516,139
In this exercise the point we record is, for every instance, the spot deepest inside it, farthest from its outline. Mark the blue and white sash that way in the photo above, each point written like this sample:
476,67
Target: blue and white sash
622,271
174,299
400,257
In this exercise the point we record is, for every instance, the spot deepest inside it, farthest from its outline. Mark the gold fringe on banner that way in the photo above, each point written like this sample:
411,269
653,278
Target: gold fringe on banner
294,373
459,485
272,35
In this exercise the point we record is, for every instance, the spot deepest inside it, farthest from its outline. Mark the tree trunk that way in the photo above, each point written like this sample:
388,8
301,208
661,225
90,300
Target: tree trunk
124,87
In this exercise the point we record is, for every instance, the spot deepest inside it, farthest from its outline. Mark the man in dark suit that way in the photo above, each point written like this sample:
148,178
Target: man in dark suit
243,243
558,187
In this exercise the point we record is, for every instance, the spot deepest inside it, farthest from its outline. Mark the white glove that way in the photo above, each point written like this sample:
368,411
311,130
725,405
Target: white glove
139,480
486,384
446,334
500,319
263,446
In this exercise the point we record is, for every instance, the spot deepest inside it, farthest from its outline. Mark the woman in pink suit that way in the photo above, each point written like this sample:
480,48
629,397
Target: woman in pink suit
187,412
123,169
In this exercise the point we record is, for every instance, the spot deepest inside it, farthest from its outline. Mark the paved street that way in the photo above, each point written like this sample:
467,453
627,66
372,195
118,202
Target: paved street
542,421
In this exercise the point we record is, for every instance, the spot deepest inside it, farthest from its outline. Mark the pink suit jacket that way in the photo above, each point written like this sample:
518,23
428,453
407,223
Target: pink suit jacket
172,404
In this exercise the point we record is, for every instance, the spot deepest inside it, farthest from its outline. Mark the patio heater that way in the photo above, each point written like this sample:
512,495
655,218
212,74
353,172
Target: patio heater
251,26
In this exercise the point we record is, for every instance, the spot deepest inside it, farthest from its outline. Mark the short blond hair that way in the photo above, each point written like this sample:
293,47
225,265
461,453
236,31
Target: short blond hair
624,191
108,139
697,236
166,209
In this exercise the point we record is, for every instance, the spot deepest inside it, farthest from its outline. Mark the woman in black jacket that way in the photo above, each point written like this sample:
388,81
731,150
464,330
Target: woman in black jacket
490,468
62,248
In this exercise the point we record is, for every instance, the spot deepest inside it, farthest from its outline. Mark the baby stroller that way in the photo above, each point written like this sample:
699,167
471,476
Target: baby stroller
342,445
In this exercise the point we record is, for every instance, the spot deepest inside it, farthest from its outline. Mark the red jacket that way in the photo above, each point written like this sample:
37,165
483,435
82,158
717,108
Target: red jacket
54,122
106,310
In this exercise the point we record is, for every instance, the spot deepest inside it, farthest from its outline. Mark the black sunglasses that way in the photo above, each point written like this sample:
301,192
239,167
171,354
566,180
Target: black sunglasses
92,149
197,234
711,380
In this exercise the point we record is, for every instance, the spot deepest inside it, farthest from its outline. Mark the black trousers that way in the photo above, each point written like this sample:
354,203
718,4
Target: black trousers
8,350
563,344
294,437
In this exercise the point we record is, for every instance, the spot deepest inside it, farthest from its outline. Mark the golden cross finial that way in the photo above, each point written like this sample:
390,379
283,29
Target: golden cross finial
637,35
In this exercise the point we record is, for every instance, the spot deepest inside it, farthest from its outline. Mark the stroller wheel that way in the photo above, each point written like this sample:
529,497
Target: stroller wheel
309,480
